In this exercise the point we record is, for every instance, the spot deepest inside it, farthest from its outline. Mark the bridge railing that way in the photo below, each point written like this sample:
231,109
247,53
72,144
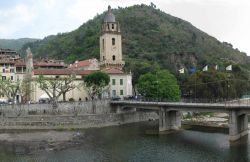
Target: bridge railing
245,101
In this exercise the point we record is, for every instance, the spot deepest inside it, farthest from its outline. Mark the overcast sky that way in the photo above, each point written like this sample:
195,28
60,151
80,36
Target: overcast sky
227,20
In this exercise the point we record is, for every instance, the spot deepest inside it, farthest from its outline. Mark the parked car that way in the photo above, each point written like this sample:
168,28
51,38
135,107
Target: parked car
129,97
116,98
44,100
3,101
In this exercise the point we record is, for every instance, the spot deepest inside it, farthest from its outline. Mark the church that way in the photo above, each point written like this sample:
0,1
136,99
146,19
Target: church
111,62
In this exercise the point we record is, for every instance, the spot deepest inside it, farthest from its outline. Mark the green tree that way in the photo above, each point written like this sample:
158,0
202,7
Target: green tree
214,84
95,84
162,85
138,68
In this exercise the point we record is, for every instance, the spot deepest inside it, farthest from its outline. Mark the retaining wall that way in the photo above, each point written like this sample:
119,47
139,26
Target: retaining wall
71,115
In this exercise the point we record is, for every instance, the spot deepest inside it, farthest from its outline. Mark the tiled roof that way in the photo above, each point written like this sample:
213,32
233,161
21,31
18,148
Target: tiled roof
61,72
82,63
40,64
20,63
113,71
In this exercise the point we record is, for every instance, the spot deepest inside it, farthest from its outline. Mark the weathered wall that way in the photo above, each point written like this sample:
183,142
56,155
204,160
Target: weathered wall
68,116
74,122
66,108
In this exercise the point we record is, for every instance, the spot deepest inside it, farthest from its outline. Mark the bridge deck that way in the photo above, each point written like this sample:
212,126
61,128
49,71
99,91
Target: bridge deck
222,107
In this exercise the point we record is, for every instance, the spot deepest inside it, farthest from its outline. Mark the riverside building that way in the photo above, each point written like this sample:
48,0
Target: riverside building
13,67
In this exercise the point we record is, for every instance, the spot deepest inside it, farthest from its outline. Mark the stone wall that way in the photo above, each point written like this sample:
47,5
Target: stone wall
64,108
71,115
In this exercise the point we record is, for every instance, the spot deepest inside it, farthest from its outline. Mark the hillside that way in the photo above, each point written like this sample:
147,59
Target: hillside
15,44
149,36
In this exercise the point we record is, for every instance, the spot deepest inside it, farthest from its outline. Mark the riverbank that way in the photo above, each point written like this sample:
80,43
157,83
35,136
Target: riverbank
219,120
71,122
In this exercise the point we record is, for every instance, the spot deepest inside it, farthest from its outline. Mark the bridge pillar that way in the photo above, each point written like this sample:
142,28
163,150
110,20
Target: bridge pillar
238,125
169,120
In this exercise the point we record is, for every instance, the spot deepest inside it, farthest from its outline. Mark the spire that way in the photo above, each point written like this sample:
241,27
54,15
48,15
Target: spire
109,17
29,61
29,53
109,9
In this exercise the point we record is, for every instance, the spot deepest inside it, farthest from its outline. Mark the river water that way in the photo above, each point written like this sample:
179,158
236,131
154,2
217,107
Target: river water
139,142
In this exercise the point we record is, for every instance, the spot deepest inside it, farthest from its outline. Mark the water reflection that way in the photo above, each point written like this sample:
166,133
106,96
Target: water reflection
238,150
137,142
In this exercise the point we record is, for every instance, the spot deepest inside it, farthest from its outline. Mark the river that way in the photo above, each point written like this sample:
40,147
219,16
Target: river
138,142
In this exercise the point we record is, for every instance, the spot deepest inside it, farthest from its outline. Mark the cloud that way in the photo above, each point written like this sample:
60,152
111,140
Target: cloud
226,20
15,18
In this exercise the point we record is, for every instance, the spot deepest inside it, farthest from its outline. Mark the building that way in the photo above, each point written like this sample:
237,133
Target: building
14,67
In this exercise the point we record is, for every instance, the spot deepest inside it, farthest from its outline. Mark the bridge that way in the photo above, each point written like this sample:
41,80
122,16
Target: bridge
170,116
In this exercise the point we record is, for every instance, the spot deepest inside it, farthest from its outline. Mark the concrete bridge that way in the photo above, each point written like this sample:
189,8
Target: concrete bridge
170,116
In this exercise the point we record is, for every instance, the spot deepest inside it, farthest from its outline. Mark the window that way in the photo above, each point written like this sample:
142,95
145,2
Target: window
103,44
121,81
57,76
108,26
113,26
3,77
18,69
113,81
3,70
103,57
113,41
11,78
12,70
113,57
121,92
113,93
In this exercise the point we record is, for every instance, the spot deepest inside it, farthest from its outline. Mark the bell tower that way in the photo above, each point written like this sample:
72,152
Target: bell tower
111,43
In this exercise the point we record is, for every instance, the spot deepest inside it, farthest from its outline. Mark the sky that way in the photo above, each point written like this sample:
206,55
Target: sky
226,20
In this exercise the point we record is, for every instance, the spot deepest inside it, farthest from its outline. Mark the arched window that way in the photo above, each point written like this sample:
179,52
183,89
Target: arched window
113,41
113,57
113,26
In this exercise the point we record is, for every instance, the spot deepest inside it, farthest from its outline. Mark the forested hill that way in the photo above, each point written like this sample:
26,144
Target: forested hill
15,44
149,36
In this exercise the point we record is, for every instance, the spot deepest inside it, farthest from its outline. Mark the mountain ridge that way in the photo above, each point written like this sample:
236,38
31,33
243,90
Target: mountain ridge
148,35
15,44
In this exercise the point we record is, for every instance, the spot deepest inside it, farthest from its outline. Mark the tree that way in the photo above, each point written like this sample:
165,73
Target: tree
139,68
10,89
162,85
26,89
55,87
214,84
95,84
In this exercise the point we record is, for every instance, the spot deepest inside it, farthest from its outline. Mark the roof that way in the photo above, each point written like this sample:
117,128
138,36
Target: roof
113,71
40,64
110,17
71,71
82,63
61,72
